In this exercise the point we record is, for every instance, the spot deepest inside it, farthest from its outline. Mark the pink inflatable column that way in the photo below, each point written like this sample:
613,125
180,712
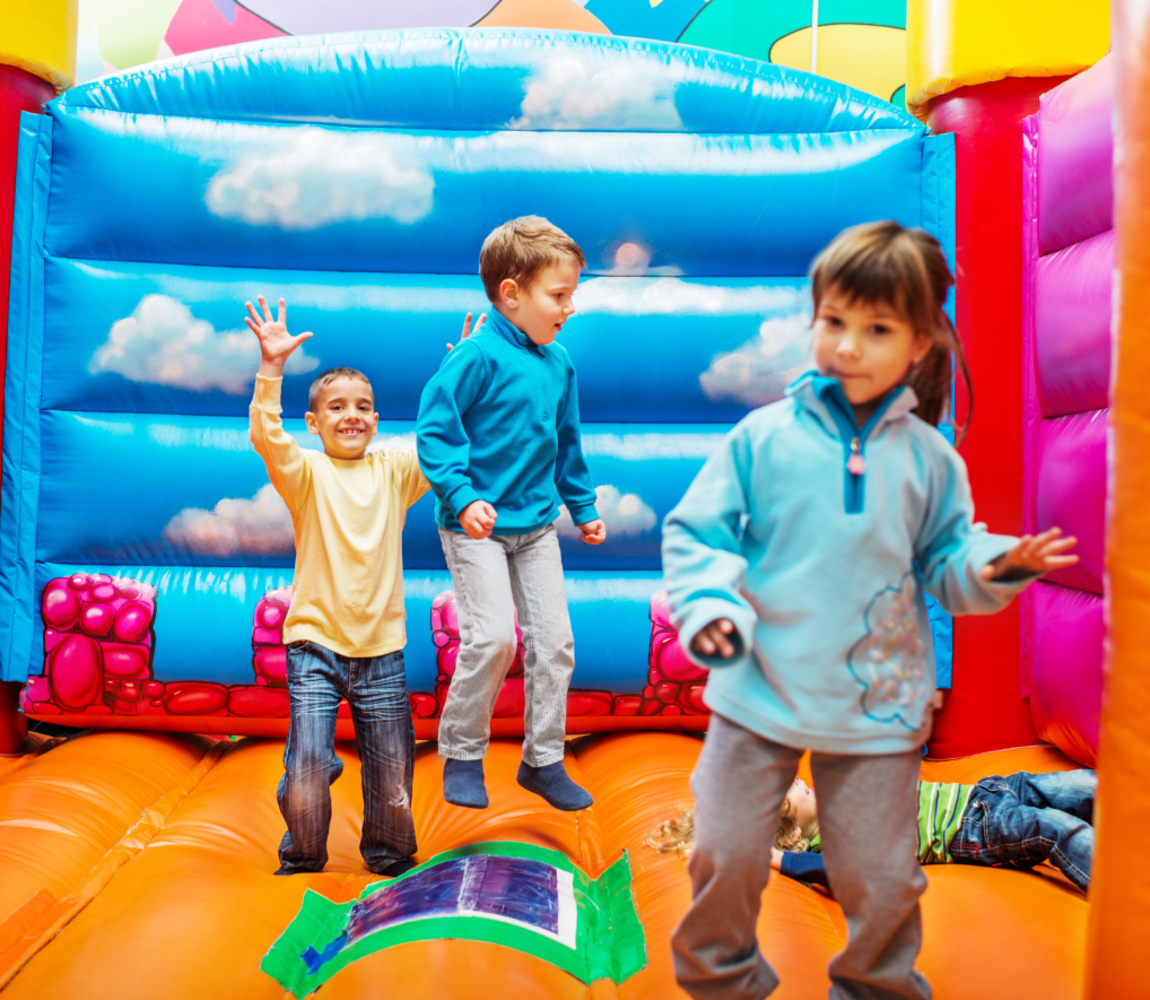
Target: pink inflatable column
1069,260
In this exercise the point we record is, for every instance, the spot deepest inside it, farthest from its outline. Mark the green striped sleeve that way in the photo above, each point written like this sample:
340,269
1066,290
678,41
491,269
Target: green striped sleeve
940,809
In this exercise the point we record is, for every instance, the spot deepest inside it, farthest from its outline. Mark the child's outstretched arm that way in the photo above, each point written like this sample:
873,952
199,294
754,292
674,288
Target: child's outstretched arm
703,564
969,570
572,477
285,463
441,439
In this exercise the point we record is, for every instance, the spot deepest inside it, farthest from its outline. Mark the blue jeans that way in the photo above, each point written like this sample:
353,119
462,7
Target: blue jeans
375,689
1024,819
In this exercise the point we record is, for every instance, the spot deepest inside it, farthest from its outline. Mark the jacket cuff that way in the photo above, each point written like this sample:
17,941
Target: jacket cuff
461,497
696,615
582,514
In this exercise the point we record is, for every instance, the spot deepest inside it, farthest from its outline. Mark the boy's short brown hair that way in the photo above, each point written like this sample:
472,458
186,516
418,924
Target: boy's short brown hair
323,381
520,249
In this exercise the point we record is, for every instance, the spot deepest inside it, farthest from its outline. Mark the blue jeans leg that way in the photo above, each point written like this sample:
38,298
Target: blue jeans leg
315,686
1013,822
385,735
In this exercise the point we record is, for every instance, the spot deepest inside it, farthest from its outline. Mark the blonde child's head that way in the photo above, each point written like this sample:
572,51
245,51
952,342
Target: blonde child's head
903,270
794,833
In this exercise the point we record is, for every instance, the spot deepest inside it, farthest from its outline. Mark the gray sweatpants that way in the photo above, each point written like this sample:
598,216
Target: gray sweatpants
868,825
493,577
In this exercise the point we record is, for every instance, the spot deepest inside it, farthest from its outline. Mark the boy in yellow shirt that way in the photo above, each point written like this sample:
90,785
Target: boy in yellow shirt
345,630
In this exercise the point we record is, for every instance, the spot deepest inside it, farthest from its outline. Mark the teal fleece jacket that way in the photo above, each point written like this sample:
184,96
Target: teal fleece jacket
499,422
821,570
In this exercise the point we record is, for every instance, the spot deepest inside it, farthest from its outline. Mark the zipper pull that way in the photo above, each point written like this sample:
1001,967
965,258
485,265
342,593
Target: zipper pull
856,464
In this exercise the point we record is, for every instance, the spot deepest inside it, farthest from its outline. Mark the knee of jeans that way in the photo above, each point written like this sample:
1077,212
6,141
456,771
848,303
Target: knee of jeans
316,762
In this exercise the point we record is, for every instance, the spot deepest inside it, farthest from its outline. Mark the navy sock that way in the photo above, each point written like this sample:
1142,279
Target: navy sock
555,785
463,783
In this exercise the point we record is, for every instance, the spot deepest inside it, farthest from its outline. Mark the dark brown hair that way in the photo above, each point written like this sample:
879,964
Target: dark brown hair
326,379
881,262
520,249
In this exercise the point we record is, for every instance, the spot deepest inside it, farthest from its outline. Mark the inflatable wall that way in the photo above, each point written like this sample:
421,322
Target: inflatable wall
1069,261
143,555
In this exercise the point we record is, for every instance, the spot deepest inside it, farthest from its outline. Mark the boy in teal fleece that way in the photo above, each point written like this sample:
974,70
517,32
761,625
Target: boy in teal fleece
795,566
498,439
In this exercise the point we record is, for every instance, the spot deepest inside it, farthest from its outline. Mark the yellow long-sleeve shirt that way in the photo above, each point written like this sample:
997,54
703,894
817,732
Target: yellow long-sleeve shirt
348,518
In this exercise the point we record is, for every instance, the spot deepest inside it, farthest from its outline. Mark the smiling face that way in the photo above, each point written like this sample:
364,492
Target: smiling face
541,309
344,418
868,347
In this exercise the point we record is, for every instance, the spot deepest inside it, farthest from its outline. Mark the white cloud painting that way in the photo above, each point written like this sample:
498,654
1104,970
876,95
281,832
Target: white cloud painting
320,177
575,94
757,372
236,526
624,514
164,344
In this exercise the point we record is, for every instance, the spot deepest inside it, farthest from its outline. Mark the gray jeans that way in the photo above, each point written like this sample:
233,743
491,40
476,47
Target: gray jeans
493,577
868,825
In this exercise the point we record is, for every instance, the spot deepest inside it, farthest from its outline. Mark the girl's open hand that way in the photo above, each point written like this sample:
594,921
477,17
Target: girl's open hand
467,328
275,341
1033,554
715,639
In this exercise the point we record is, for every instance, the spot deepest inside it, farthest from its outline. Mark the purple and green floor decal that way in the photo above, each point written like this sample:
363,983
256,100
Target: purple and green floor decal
516,895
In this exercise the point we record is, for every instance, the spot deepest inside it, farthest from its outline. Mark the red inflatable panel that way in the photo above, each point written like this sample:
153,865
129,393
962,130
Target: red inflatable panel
985,710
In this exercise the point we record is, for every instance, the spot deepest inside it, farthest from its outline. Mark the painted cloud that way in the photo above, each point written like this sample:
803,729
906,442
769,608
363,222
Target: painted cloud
670,296
163,343
322,177
260,526
570,94
623,513
756,372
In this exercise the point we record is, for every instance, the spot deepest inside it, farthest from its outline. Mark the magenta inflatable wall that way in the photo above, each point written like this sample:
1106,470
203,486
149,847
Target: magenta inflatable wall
1069,246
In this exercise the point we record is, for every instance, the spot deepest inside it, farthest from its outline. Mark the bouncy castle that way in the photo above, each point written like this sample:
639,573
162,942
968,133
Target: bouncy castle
146,564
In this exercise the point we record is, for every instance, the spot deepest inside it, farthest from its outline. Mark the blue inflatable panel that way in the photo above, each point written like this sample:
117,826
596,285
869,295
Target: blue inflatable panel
190,491
204,622
357,176
685,350
490,79
359,200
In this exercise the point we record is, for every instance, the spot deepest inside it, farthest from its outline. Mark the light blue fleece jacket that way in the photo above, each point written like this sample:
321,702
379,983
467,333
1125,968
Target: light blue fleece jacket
822,571
499,422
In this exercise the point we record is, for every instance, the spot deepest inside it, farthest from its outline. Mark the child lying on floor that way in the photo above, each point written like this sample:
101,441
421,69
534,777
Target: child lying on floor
1014,822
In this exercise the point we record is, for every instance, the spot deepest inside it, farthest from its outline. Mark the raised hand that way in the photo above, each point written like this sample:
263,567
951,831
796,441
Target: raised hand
467,331
1033,554
715,639
275,341
594,532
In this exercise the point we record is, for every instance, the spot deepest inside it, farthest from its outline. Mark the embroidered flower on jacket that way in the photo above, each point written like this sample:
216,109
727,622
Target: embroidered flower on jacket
890,660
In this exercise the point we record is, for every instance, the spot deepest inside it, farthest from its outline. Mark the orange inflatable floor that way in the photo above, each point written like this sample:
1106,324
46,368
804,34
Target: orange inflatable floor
140,866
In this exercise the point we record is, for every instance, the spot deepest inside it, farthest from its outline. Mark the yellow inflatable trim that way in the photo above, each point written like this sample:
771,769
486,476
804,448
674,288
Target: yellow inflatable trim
39,36
958,43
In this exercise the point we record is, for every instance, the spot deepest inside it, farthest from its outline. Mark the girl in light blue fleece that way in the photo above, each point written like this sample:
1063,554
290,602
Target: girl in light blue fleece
795,566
